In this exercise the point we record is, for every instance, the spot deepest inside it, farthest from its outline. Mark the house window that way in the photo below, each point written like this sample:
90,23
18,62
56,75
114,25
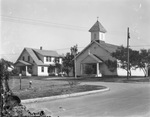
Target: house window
50,59
47,58
42,69
28,58
57,60
23,58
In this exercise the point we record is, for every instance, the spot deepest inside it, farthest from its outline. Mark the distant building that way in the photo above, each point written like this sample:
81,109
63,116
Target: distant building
37,61
91,61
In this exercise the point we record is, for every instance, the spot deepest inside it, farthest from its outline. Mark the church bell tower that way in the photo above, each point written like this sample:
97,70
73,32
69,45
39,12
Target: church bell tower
97,32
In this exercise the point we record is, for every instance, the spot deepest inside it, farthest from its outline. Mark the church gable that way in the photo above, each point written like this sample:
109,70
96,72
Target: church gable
89,59
95,49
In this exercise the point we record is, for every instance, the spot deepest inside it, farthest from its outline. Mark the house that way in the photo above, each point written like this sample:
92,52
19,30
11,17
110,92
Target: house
95,59
37,62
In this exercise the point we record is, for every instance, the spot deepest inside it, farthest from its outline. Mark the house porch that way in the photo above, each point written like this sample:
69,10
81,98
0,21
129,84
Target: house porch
24,67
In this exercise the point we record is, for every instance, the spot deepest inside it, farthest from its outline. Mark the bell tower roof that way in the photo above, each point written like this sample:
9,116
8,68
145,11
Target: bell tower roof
97,27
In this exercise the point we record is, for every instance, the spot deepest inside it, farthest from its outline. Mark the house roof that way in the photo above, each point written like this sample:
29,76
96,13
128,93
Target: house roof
97,27
47,52
34,55
22,62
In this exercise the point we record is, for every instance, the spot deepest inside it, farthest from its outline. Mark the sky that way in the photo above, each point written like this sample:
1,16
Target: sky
60,24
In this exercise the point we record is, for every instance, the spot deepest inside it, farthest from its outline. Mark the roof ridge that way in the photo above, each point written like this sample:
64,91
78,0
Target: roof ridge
97,27
34,57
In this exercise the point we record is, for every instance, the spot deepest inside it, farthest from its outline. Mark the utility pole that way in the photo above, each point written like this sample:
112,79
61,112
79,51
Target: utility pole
75,72
1,98
20,75
128,61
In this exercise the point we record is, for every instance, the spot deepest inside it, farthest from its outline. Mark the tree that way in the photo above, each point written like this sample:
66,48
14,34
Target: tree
121,55
74,50
144,60
68,62
112,65
56,66
10,104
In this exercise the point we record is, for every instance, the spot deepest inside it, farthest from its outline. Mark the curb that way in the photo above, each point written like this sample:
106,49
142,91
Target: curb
35,100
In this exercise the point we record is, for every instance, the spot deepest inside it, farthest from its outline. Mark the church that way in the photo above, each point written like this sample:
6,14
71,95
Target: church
95,59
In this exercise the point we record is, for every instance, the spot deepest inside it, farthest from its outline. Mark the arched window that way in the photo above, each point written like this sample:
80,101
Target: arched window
94,36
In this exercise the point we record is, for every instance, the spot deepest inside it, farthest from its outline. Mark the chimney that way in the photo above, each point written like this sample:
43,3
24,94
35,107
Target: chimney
41,48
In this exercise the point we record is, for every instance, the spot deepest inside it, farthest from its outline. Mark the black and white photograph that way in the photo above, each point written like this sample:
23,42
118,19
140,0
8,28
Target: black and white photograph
74,58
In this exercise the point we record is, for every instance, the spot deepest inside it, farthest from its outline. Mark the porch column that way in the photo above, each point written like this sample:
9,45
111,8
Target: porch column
55,70
146,66
98,72
81,69
26,70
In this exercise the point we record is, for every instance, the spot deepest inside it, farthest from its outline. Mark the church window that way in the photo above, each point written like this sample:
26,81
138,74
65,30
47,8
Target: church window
94,36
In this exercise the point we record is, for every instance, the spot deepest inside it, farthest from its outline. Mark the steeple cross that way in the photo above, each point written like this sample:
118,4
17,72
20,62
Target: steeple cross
97,18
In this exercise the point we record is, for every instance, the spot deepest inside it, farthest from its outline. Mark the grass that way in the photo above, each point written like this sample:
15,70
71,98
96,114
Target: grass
122,79
42,87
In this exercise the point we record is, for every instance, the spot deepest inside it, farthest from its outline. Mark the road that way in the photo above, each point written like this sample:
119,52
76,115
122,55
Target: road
123,100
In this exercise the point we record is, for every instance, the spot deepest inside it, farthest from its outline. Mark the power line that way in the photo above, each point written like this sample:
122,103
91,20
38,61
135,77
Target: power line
40,22
140,46
51,49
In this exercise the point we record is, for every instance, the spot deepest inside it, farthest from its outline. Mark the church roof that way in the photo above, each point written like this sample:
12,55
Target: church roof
110,48
97,27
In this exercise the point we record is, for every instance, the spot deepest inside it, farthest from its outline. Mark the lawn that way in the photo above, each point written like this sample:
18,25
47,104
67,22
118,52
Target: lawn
46,87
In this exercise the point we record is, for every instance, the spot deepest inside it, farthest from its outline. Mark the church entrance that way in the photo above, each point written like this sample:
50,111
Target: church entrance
89,68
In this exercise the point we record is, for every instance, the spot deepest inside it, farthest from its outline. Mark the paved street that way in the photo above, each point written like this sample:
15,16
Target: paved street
123,100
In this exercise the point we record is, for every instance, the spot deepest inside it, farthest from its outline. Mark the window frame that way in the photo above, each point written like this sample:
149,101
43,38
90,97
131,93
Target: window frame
23,58
95,35
42,68
28,58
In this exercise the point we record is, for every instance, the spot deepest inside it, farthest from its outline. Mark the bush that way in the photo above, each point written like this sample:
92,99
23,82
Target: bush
73,83
15,71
